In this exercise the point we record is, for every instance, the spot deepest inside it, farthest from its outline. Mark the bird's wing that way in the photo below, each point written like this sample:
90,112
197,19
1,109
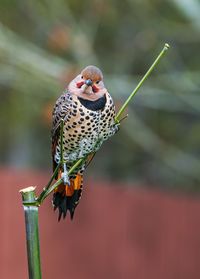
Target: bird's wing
60,112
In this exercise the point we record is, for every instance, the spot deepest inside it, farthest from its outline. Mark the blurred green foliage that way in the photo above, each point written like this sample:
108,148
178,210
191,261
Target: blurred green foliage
43,44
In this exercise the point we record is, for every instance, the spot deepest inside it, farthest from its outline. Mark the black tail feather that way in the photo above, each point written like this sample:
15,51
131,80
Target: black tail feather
64,203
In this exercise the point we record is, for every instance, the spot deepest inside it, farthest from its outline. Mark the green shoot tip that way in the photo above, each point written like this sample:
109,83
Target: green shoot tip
167,46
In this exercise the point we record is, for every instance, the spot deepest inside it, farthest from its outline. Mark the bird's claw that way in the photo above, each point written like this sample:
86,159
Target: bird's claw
65,176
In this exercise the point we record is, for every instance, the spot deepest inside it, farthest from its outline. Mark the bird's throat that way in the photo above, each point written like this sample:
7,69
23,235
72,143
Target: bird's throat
98,104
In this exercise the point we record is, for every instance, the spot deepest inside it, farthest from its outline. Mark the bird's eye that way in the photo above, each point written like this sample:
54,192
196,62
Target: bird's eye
97,81
81,76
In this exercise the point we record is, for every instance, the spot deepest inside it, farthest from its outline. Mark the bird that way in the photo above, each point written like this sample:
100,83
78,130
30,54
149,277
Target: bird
88,114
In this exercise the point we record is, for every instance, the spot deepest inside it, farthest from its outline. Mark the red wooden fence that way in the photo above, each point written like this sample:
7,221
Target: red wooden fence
118,232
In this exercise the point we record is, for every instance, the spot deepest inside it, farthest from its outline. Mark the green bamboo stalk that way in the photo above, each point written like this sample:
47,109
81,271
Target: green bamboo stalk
32,232
156,61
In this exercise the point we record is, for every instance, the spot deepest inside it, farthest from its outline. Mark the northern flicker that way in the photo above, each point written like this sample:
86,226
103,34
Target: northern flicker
89,119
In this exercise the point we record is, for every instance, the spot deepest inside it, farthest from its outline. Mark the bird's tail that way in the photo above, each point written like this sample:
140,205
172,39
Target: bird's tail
67,197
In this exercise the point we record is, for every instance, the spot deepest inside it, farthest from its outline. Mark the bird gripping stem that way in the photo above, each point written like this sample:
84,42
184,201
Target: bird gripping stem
49,188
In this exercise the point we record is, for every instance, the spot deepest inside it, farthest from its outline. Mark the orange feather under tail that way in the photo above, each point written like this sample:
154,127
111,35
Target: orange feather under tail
66,198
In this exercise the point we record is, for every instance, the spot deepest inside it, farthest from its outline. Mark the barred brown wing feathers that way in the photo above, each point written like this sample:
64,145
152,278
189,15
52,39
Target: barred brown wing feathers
60,111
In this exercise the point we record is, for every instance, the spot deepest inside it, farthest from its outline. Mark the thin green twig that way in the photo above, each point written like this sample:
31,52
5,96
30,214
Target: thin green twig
157,60
42,196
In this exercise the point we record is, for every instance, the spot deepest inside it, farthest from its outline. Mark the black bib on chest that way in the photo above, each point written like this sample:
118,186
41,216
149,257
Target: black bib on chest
93,105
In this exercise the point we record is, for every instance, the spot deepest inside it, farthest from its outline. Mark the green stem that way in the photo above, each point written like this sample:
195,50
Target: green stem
56,184
45,190
157,60
76,165
32,232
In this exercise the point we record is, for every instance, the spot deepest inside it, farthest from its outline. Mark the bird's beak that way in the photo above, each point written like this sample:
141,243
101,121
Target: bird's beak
88,82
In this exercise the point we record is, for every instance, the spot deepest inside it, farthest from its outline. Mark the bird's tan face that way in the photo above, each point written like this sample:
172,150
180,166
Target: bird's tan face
88,84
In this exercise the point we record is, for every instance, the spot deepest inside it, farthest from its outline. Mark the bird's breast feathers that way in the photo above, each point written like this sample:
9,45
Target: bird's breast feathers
86,129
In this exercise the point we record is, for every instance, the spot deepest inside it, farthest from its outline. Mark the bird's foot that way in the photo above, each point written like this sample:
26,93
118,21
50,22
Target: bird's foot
65,176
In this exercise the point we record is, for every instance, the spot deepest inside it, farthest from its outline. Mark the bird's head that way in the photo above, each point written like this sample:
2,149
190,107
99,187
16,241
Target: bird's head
88,84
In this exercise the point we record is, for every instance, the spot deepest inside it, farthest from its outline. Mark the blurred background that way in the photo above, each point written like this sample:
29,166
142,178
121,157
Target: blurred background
43,45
